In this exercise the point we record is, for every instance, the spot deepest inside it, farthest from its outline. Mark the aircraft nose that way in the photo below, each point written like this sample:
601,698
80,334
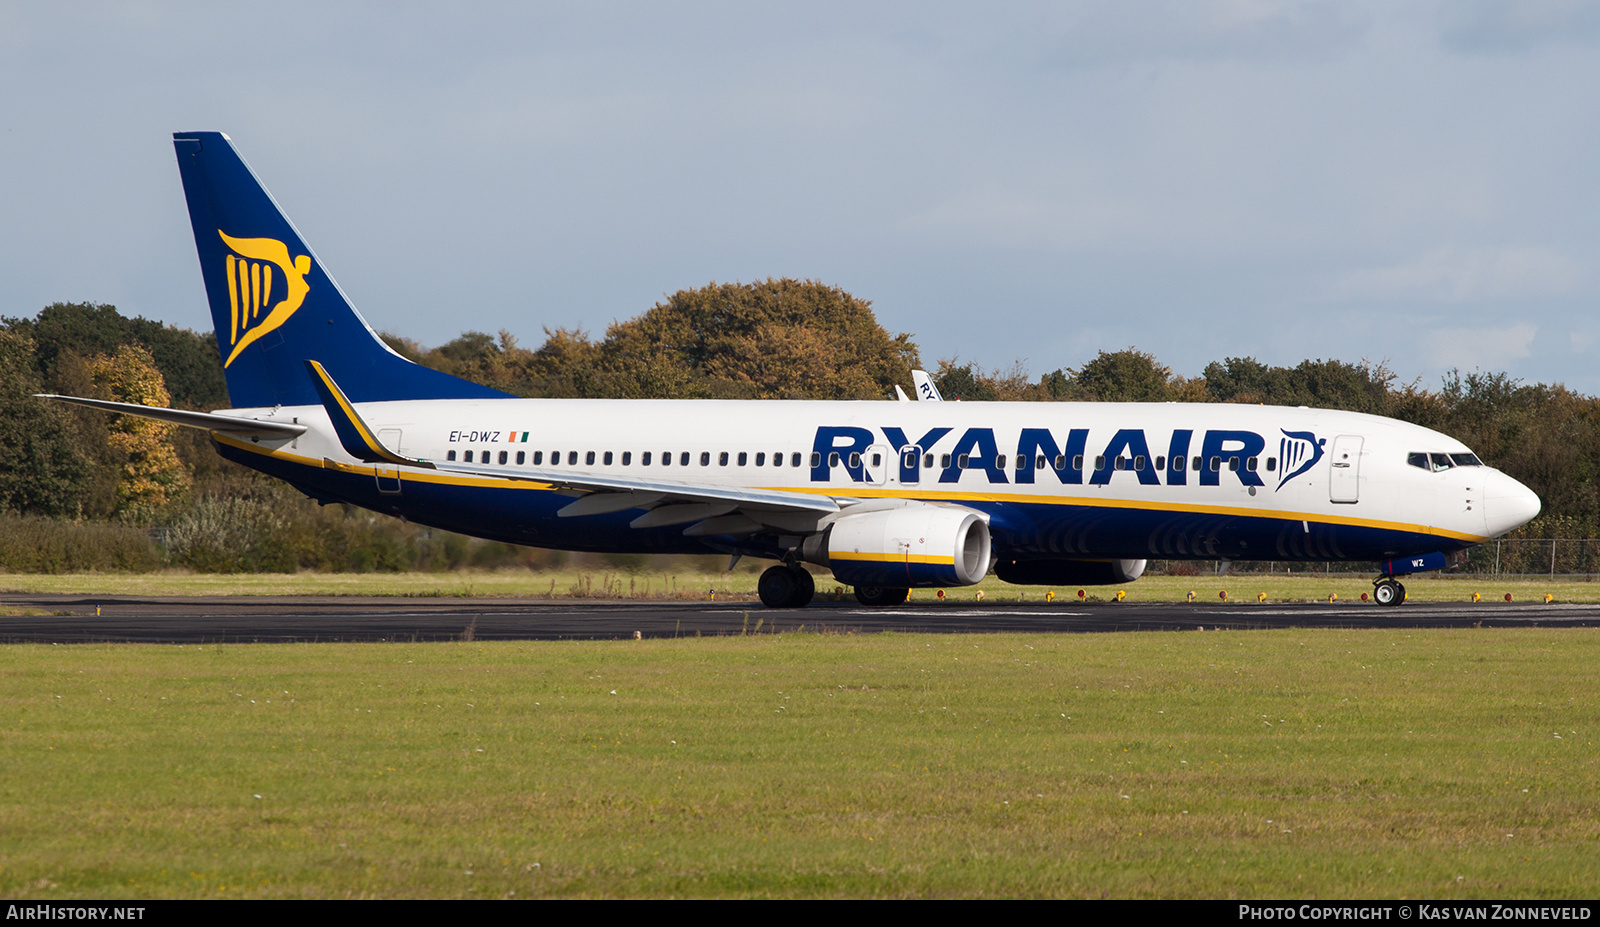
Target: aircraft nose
1508,504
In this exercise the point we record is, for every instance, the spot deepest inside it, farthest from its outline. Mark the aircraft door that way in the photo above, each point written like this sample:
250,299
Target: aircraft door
388,477
878,462
1344,474
910,465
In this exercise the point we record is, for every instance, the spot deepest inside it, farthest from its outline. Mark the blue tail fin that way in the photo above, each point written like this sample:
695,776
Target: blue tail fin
274,304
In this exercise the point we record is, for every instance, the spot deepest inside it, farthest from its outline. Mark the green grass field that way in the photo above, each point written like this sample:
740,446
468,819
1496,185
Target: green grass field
741,584
1291,763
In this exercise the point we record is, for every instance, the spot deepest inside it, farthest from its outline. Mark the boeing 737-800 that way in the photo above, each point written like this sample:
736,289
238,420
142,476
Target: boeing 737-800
888,495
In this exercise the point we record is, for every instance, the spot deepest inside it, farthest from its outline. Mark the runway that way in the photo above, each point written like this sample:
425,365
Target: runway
73,619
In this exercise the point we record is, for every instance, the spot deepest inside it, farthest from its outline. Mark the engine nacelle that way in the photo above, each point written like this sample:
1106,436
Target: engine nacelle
919,545
1069,572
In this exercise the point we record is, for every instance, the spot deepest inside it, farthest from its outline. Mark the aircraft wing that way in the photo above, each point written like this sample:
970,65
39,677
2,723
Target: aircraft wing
607,493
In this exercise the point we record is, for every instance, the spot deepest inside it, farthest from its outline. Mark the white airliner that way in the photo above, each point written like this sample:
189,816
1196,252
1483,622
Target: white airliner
888,495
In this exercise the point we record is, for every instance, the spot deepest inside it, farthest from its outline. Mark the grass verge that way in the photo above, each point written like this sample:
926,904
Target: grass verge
1293,763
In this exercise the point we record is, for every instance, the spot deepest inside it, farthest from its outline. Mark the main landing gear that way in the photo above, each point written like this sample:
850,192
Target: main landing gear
1387,591
786,587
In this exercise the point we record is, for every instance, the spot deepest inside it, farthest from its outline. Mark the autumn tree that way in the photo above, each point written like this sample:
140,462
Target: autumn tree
152,476
42,471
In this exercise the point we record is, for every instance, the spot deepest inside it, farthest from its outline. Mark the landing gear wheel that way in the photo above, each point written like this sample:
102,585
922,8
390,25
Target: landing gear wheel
1389,592
785,587
805,588
874,596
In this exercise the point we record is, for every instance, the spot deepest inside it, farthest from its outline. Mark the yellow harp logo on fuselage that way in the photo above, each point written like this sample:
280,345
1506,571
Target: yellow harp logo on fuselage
254,270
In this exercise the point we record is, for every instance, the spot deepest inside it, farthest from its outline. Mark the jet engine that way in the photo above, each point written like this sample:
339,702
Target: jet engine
915,545
1069,572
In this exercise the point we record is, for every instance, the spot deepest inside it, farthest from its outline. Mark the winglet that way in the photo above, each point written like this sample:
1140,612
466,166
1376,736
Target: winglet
900,394
358,440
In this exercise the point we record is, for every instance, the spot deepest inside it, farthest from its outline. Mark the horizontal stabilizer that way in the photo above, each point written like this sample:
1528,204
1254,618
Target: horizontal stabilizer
210,421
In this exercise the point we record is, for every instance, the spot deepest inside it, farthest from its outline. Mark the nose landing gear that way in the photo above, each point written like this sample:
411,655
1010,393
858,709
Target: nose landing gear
1388,592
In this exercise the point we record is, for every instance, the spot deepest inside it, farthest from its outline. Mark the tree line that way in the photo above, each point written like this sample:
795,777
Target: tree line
773,339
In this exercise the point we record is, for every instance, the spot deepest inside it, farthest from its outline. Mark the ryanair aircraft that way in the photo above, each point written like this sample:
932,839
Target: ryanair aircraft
888,495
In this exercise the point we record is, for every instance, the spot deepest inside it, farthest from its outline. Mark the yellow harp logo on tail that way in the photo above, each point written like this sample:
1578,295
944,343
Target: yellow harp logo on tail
256,269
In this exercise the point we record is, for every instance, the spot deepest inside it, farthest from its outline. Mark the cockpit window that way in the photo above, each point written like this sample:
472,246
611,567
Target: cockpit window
1440,462
1418,460
1437,462
1466,460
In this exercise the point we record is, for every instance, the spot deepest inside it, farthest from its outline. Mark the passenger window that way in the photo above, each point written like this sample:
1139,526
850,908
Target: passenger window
794,459
1272,464
1039,462
644,459
1100,462
743,458
503,456
961,461
538,458
761,458
1000,462
705,458
683,459
777,460
877,460
607,459
666,458
1077,461
467,457
855,460
450,456
1138,462
909,461
1250,464
1022,462
1177,464
1116,463
1196,467
1061,461
588,459
833,459
1233,464
944,461
927,460
722,459
1216,464
1161,463
572,458
627,458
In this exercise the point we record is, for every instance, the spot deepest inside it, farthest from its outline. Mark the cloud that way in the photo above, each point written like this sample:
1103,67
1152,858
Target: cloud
1515,26
1479,348
1451,275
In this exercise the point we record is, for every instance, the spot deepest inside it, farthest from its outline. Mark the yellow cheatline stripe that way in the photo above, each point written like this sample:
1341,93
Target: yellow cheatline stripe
446,479
891,558
355,421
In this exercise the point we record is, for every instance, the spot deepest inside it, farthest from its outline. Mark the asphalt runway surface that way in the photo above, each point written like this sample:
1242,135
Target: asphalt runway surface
70,619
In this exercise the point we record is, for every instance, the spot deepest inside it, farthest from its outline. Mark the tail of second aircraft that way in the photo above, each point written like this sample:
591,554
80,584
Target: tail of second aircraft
274,304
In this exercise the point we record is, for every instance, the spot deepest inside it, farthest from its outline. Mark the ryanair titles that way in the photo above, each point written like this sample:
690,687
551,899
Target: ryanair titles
1040,454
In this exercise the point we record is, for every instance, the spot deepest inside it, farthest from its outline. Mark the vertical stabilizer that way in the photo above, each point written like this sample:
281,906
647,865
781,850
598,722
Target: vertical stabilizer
274,304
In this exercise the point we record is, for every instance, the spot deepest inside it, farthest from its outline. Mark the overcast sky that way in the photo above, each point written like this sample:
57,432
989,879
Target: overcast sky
1036,182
